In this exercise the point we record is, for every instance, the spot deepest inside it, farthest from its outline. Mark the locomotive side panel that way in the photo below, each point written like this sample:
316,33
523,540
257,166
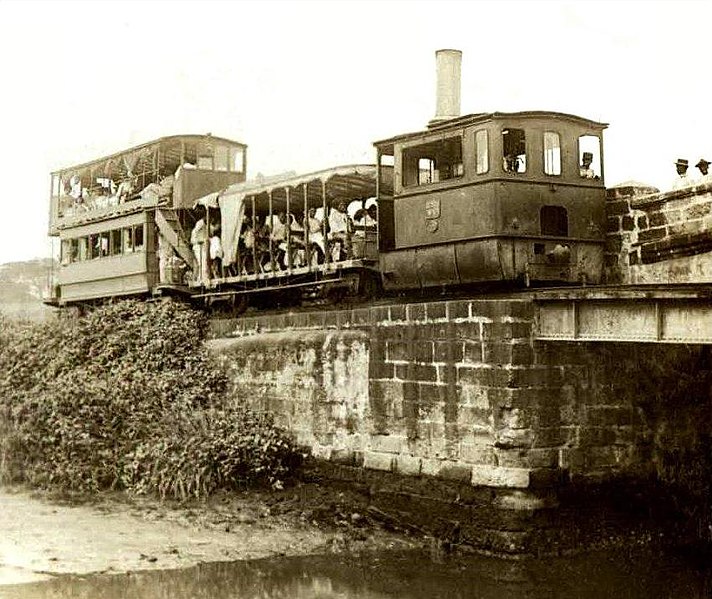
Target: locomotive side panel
445,215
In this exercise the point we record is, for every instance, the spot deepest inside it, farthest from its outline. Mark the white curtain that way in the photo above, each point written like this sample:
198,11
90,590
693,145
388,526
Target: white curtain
232,211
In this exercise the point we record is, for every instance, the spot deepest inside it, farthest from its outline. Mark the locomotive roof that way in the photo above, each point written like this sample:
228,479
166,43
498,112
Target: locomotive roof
481,117
353,180
148,144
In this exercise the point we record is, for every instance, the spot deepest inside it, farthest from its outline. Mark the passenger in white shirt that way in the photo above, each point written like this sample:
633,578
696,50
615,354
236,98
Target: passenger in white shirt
339,232
683,179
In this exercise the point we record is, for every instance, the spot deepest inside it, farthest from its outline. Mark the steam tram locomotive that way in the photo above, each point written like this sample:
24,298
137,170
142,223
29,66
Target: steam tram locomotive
489,197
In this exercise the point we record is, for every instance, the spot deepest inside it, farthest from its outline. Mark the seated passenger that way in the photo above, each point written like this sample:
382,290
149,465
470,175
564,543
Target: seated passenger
340,227
126,188
372,215
278,235
245,248
585,170
75,187
313,226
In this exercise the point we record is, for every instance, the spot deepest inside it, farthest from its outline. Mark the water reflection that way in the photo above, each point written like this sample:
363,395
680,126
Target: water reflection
406,575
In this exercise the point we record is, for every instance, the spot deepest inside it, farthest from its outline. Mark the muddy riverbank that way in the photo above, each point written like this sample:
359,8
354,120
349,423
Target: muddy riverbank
43,535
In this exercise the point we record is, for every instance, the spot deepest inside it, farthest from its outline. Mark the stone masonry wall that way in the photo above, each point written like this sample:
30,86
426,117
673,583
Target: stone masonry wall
654,237
448,389
456,390
451,413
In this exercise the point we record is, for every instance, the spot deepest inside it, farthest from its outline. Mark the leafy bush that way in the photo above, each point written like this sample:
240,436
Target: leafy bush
127,397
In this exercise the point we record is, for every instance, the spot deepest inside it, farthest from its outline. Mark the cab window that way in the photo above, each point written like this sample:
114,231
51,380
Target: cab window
514,150
589,157
481,151
552,153
221,158
433,162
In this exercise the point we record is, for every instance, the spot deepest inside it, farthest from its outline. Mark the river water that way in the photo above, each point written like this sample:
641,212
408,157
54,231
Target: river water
416,575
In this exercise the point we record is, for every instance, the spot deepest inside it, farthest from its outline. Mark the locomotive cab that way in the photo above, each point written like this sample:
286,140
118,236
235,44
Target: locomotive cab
494,197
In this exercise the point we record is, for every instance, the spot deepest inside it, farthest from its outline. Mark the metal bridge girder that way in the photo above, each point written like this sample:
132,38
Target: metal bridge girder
655,320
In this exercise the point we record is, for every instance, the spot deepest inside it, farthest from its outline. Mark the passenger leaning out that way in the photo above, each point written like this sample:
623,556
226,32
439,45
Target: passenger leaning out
585,169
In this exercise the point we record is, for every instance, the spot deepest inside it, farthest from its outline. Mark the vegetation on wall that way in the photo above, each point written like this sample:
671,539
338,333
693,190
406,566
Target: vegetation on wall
126,397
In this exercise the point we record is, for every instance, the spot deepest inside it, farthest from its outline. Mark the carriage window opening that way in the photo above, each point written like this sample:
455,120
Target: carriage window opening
65,251
83,249
433,162
138,237
552,153
221,158
236,160
128,240
482,151
589,156
554,220
93,249
116,242
514,155
104,243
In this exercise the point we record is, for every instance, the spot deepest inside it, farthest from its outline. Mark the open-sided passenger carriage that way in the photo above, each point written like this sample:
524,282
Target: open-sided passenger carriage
285,238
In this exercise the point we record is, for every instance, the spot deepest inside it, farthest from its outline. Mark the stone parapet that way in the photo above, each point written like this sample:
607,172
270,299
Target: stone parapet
654,237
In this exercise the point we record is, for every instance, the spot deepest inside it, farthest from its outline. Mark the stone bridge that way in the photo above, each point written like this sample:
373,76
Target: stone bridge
474,399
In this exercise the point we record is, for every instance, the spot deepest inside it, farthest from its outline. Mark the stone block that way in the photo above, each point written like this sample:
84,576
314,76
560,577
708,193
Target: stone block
397,314
477,454
399,351
408,465
377,461
458,310
430,466
497,476
511,438
609,415
361,316
380,314
423,372
343,456
436,310
554,437
617,207
467,331
471,352
388,444
423,351
451,470
415,312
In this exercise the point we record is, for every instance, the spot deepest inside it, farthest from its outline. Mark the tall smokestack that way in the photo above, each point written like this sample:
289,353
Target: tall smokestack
447,64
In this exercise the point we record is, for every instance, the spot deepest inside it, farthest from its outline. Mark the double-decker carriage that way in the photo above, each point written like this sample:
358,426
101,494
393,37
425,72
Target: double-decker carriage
117,215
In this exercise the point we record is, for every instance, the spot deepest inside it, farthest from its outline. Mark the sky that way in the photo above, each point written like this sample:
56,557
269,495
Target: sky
310,85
